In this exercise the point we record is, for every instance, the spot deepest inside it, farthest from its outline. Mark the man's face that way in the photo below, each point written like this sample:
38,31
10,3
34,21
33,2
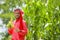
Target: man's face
16,14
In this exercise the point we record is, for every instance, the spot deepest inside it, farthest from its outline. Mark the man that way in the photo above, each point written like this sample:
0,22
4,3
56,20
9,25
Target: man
19,30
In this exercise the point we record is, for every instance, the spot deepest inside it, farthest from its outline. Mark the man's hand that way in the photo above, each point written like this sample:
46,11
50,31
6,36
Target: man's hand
17,30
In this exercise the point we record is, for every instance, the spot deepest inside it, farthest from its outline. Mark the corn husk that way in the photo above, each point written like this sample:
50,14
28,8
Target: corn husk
10,24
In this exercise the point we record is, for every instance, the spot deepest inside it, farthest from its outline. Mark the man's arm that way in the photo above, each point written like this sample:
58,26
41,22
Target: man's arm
24,31
10,30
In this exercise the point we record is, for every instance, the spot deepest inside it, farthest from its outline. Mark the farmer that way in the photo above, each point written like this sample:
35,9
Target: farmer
19,30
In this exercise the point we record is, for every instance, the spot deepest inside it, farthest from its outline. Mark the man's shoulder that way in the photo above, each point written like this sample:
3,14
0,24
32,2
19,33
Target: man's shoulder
24,21
14,21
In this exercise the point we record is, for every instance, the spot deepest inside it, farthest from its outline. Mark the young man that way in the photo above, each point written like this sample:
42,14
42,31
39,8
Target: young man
19,30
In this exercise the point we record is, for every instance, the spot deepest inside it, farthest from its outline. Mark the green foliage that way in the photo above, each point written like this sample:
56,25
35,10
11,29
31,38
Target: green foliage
42,17
7,15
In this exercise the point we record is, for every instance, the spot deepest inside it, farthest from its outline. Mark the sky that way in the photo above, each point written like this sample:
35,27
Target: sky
3,28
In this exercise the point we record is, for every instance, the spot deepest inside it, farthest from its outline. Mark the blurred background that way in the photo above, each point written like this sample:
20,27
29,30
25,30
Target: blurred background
42,17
